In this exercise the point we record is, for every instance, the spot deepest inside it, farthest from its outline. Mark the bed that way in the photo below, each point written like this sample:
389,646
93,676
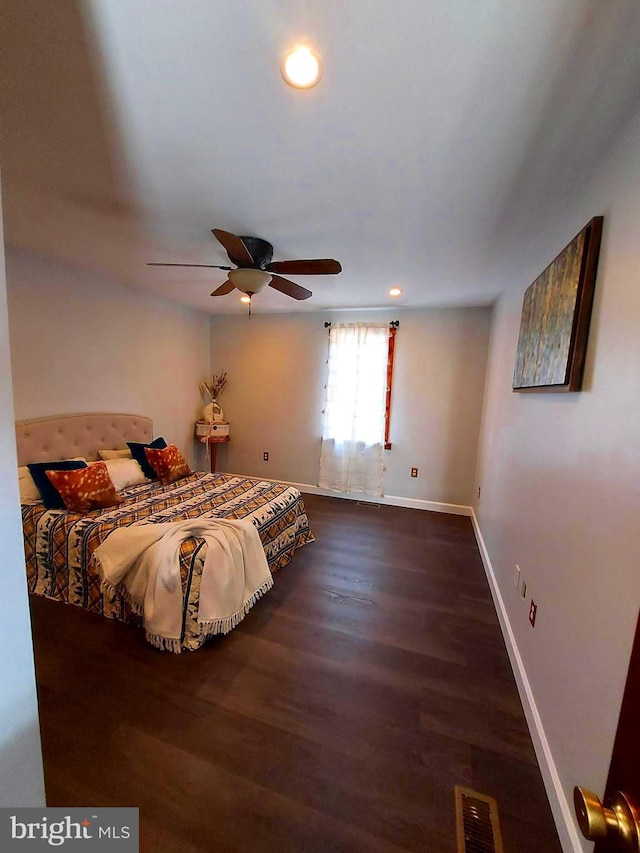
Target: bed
59,545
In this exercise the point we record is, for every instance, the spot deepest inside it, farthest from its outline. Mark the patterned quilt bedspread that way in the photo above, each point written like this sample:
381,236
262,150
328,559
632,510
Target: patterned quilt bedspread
59,545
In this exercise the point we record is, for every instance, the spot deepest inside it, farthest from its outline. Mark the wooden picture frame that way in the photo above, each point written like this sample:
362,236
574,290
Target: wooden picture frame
556,313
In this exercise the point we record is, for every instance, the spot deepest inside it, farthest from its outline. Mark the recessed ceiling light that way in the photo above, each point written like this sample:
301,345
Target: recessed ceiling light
245,299
395,291
301,68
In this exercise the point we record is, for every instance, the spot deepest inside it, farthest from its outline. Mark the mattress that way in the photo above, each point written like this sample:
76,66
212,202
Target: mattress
60,545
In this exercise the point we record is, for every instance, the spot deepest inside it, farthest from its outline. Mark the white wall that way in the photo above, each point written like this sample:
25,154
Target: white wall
560,477
21,782
275,395
80,343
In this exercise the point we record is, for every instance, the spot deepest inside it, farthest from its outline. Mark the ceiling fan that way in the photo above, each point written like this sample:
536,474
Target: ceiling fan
255,270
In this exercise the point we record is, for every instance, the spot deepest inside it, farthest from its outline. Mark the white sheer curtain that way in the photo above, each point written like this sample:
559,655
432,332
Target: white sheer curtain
351,458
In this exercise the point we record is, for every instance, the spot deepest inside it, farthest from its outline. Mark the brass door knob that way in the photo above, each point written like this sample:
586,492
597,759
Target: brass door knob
619,823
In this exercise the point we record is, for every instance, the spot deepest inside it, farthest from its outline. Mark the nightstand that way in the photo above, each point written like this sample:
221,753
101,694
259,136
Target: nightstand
212,435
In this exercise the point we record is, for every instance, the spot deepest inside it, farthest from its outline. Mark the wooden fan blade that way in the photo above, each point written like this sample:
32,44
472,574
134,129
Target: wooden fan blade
236,249
319,266
289,288
226,287
207,266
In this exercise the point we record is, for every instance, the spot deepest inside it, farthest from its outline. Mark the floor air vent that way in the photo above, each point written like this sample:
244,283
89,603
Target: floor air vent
369,504
477,823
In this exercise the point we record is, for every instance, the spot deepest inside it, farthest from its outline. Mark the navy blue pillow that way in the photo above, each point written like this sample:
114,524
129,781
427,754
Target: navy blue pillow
137,451
48,492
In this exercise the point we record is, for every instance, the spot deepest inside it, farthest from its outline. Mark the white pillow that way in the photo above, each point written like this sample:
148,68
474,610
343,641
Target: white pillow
29,493
124,473
115,454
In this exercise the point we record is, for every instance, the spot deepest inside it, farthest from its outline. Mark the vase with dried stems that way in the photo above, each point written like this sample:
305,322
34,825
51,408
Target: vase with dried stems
212,412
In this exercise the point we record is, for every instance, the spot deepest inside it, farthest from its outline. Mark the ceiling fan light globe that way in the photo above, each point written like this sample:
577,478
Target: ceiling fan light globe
249,281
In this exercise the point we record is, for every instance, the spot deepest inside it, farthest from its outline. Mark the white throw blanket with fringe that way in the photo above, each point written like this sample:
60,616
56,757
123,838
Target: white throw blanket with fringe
142,563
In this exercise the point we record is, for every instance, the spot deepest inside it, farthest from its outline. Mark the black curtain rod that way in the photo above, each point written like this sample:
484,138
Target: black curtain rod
394,323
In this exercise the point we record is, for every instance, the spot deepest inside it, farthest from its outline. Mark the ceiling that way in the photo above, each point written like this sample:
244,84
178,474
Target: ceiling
130,128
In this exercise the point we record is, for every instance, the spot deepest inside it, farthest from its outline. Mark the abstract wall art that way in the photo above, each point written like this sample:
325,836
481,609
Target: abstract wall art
556,312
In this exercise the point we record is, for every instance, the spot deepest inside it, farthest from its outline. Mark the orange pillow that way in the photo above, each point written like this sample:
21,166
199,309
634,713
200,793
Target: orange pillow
168,463
85,489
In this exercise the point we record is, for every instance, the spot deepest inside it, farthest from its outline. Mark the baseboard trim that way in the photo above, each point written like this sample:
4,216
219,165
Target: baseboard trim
387,500
562,811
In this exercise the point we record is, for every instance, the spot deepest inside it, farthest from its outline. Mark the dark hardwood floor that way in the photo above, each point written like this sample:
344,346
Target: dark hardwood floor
338,716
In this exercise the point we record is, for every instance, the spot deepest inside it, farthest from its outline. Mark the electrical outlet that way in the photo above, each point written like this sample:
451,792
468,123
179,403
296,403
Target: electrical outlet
265,456
533,610
523,589
517,577
414,472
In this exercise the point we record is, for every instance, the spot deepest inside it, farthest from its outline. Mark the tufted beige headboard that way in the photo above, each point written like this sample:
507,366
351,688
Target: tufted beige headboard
64,436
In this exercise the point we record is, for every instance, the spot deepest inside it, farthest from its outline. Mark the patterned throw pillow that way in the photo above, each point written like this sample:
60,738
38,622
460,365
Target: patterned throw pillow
137,449
48,492
169,464
85,489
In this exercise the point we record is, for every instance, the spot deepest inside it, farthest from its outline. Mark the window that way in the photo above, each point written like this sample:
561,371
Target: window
356,408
